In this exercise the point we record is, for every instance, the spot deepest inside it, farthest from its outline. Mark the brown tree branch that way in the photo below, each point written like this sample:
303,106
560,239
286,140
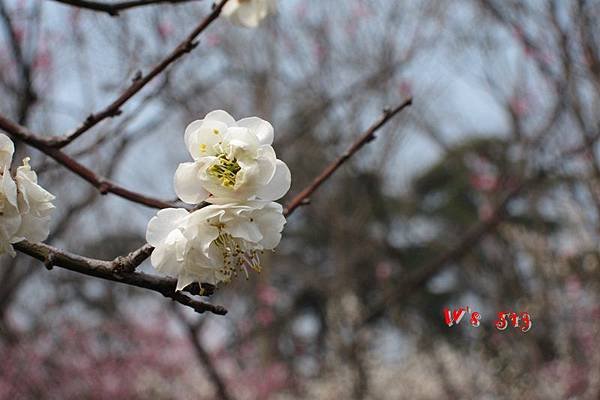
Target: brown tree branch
114,108
144,252
365,138
103,185
51,257
26,94
122,268
193,331
113,9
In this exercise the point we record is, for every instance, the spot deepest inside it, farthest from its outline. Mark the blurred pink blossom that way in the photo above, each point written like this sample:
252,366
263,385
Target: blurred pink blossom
268,295
484,182
383,271
265,316
164,29
405,88
213,40
519,106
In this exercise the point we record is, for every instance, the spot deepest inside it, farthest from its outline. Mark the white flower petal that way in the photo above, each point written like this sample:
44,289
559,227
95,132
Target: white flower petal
34,198
240,140
10,221
248,13
271,225
244,229
190,129
259,127
267,164
188,183
203,234
184,280
250,16
221,116
25,207
199,274
205,140
169,256
166,221
9,187
7,149
279,184
35,229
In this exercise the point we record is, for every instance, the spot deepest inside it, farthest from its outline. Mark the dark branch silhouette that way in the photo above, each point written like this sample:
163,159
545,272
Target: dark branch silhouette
113,9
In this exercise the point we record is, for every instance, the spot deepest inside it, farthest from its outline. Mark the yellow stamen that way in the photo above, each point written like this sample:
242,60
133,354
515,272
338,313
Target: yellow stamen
237,256
225,170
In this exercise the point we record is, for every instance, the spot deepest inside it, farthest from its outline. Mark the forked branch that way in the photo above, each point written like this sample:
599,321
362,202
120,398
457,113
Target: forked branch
103,185
122,269
140,81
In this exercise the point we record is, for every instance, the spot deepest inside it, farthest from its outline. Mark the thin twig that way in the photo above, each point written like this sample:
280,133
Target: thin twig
103,185
114,108
204,357
113,9
368,136
26,94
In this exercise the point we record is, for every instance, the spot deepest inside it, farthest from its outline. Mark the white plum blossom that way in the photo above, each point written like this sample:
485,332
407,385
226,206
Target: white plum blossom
35,205
10,220
25,207
232,160
214,243
249,13
236,170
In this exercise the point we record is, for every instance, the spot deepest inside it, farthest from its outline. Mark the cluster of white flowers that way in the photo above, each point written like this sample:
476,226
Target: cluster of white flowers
25,207
249,13
235,169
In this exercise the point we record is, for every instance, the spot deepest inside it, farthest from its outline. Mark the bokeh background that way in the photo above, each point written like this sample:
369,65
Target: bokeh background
485,193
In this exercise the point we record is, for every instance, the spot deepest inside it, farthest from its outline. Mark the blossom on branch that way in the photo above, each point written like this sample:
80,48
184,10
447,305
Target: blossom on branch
236,170
233,160
212,244
35,205
25,207
249,13
10,220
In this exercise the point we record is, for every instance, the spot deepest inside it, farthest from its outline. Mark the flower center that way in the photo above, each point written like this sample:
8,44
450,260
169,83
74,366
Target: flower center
225,170
237,256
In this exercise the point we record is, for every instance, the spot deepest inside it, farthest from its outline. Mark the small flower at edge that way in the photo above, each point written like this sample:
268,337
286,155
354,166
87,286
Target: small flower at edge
249,13
25,207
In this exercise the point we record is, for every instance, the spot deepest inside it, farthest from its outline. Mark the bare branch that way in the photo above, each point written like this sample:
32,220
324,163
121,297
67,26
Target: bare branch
303,197
113,9
26,93
204,357
122,268
51,257
132,260
103,185
114,108
365,138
